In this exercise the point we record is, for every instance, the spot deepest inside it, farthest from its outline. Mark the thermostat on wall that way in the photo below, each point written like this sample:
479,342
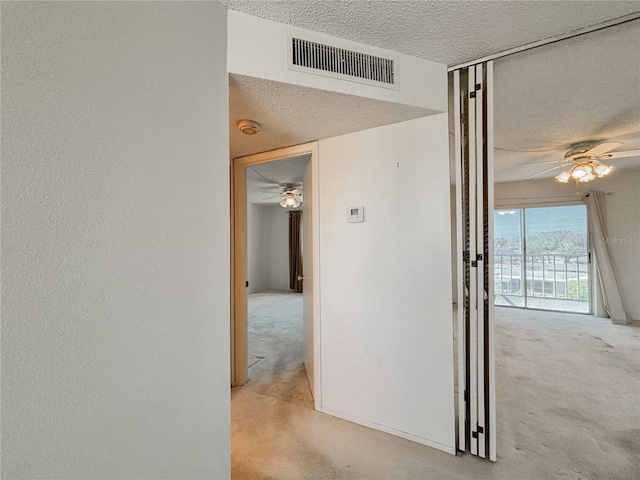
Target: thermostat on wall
355,214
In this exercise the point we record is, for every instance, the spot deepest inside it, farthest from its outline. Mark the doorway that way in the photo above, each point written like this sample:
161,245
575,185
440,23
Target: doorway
240,273
541,258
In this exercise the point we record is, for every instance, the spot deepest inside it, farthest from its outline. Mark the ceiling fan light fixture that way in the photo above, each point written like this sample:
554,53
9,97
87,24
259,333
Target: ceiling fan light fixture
290,201
579,171
588,177
601,169
584,160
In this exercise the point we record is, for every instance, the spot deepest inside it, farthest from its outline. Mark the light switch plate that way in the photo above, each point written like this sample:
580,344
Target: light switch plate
355,214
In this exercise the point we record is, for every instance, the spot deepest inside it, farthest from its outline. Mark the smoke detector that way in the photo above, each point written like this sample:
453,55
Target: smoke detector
249,127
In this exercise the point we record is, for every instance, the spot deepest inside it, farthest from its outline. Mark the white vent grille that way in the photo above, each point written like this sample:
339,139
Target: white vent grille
333,60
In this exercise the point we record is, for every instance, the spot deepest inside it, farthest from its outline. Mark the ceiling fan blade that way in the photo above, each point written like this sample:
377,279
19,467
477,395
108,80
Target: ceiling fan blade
545,171
258,173
628,153
601,149
540,163
273,196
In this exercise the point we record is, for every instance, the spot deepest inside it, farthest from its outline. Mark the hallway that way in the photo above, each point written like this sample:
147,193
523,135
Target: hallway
567,390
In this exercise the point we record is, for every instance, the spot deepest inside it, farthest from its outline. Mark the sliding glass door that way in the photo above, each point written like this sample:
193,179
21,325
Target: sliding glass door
542,258
508,254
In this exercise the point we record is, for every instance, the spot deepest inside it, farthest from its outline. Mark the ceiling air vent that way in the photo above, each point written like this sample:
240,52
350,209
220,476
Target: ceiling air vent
332,61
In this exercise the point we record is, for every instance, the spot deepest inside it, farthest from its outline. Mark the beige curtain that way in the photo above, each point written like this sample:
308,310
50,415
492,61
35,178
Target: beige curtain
604,268
295,250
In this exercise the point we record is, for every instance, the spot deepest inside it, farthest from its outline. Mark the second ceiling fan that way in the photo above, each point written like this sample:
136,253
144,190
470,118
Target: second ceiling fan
584,161
291,194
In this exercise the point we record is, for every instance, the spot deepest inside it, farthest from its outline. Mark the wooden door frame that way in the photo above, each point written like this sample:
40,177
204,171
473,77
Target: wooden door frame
239,367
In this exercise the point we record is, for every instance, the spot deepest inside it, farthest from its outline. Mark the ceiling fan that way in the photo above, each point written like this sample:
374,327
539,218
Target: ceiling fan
584,161
291,194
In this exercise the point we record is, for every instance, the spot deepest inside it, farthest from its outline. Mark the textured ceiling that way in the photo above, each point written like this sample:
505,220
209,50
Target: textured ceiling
580,89
291,114
450,32
265,181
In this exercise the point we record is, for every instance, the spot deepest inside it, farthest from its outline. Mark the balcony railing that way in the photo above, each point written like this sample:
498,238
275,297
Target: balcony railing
552,276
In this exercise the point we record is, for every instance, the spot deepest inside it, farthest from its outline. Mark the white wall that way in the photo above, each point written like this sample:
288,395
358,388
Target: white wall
278,222
257,248
268,247
115,251
386,336
420,81
622,212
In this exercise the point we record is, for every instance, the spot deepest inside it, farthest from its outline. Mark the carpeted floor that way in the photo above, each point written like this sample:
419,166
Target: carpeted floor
275,346
568,400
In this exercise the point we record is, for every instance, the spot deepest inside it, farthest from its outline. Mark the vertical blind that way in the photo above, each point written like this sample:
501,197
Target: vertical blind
295,251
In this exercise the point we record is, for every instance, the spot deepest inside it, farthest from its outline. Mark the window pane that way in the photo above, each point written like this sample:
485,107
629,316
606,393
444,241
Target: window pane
557,266
508,258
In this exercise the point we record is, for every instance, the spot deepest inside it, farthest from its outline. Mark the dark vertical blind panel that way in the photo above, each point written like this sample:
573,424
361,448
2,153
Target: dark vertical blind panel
295,251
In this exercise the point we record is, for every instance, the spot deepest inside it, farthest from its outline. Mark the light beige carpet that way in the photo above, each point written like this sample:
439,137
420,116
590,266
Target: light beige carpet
568,407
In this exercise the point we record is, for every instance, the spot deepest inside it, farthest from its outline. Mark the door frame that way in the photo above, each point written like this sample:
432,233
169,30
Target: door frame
239,367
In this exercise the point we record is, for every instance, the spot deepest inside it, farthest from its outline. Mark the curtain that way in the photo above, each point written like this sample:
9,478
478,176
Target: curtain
604,268
295,250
